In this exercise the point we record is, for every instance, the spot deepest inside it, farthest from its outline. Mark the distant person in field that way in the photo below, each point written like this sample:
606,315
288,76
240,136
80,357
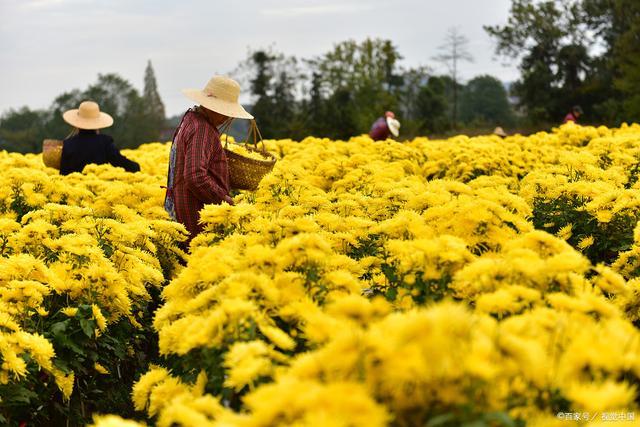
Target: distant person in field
198,169
573,115
88,145
500,132
384,127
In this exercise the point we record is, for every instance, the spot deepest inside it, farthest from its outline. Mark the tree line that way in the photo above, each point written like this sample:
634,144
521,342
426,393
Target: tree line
340,93
138,117
569,52
572,52
336,95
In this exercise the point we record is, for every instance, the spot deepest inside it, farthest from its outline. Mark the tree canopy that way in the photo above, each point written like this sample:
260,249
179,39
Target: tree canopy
136,119
574,52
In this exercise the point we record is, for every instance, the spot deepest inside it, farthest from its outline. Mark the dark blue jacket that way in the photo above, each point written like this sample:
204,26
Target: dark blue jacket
88,146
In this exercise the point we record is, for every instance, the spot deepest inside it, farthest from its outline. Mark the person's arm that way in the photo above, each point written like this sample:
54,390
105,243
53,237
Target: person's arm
116,159
197,157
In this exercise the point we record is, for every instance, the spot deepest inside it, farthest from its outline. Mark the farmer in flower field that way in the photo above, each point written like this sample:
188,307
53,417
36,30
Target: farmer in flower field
500,132
198,170
88,145
384,127
573,115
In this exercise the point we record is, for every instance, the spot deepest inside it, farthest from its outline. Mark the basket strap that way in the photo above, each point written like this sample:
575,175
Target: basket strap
252,131
256,132
223,130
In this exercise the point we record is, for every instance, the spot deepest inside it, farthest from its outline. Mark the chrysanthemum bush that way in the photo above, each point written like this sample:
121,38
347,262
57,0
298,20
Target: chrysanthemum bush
410,284
81,259
467,282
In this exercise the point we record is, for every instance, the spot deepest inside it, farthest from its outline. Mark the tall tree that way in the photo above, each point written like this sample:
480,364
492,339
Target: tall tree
368,73
453,51
484,101
23,130
117,97
316,106
626,54
432,105
551,39
273,79
153,105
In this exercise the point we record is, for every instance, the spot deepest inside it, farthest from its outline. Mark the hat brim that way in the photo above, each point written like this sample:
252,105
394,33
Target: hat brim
229,109
394,126
74,119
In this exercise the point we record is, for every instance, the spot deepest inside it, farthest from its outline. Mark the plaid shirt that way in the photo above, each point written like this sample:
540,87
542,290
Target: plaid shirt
198,169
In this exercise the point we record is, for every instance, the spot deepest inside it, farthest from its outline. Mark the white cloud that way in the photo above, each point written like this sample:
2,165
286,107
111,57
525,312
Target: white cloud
44,4
321,9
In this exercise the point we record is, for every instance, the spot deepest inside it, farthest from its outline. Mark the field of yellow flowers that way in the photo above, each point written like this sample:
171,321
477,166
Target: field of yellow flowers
462,282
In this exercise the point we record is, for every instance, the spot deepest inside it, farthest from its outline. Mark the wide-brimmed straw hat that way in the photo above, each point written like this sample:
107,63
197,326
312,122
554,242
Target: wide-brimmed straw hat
394,126
220,95
500,132
88,116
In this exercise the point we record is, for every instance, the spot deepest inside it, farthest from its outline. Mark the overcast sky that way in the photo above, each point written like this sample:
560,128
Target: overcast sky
51,46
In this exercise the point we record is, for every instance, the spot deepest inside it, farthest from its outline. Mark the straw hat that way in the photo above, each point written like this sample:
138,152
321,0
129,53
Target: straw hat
394,126
88,116
220,95
500,132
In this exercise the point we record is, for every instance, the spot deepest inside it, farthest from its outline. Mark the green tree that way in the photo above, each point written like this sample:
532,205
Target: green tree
551,40
273,82
364,78
261,63
118,98
341,120
626,55
432,105
316,110
484,101
23,130
453,51
413,81
153,105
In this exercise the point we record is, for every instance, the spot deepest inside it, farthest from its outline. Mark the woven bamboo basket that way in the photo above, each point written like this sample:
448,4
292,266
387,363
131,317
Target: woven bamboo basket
52,152
246,173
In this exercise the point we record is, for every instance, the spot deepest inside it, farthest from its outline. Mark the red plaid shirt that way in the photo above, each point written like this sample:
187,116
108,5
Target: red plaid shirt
201,174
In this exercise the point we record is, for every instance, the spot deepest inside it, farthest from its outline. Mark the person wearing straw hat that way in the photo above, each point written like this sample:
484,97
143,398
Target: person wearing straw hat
198,171
384,127
500,132
87,145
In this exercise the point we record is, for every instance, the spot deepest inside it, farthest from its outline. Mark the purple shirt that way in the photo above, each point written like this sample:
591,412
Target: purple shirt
380,130
570,118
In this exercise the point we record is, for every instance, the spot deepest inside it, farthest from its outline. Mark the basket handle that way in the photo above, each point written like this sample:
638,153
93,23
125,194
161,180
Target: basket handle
223,131
252,131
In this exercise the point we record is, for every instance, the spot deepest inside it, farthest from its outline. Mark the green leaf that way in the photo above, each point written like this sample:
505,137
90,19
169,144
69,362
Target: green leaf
440,420
59,328
65,342
391,294
504,419
87,327
17,394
